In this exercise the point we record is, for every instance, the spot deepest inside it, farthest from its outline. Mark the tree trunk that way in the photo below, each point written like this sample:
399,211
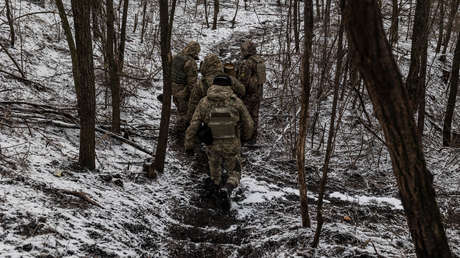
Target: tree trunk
72,49
206,13
330,138
236,13
363,22
441,26
415,82
121,53
452,14
114,79
144,20
9,16
446,131
160,154
295,25
305,101
84,52
394,23
216,13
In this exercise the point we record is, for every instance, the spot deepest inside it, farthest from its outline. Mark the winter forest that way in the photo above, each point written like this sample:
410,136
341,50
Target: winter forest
357,144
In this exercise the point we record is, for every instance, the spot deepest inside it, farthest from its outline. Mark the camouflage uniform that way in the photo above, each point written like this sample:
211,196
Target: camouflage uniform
210,67
247,74
181,89
222,152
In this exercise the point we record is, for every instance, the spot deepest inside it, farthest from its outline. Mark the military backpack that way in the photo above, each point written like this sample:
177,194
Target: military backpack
260,69
177,69
223,123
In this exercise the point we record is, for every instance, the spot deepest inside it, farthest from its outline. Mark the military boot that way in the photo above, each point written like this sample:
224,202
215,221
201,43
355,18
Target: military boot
225,194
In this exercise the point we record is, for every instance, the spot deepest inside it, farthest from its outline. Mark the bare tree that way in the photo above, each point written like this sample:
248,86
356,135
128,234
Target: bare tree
72,49
394,23
84,52
9,16
305,101
452,14
160,154
446,137
363,23
216,13
114,79
415,82
330,139
441,25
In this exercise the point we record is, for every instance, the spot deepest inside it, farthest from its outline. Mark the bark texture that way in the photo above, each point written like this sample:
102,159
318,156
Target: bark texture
160,154
447,128
305,100
363,23
84,51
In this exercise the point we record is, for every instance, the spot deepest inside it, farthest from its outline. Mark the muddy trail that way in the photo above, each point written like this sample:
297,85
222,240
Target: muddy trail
265,217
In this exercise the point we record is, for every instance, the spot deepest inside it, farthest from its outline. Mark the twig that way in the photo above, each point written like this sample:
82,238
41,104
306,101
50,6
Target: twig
14,61
81,195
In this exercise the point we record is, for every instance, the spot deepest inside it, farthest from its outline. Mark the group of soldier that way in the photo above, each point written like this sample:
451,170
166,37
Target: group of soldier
223,105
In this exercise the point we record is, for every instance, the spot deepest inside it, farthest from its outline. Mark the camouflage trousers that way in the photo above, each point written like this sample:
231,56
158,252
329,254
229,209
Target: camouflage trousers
181,94
253,107
220,161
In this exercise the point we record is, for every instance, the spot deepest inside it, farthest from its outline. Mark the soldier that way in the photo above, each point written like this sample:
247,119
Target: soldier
184,75
251,73
226,116
210,68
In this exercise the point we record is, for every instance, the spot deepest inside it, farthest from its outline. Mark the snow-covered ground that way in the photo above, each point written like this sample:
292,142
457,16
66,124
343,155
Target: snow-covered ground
42,212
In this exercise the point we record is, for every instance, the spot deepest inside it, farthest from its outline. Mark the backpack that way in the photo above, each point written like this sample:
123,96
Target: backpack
260,69
222,123
177,69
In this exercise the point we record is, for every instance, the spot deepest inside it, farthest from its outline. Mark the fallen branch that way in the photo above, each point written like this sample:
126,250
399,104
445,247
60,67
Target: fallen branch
81,195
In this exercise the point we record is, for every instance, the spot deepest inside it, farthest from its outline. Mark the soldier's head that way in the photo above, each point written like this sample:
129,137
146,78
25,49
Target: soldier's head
192,49
248,48
222,80
211,65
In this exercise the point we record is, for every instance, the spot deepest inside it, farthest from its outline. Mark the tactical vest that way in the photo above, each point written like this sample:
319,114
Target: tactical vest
260,69
223,123
177,69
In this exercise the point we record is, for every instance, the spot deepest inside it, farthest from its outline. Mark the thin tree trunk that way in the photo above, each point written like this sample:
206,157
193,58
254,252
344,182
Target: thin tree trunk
121,53
114,79
330,143
394,23
446,131
305,99
363,22
171,18
441,26
295,25
216,13
205,2
144,20
72,49
9,16
452,14
84,51
415,82
160,155
236,13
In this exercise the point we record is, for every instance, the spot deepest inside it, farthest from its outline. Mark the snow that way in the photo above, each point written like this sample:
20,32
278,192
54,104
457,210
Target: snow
168,217
369,200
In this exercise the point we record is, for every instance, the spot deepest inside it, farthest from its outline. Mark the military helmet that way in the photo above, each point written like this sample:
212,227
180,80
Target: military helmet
192,49
210,65
248,48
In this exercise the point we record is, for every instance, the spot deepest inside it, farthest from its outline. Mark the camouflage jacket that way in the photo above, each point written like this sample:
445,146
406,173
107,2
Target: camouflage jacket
247,74
220,96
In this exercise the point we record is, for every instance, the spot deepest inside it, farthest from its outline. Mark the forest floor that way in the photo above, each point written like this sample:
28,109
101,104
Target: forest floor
49,207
